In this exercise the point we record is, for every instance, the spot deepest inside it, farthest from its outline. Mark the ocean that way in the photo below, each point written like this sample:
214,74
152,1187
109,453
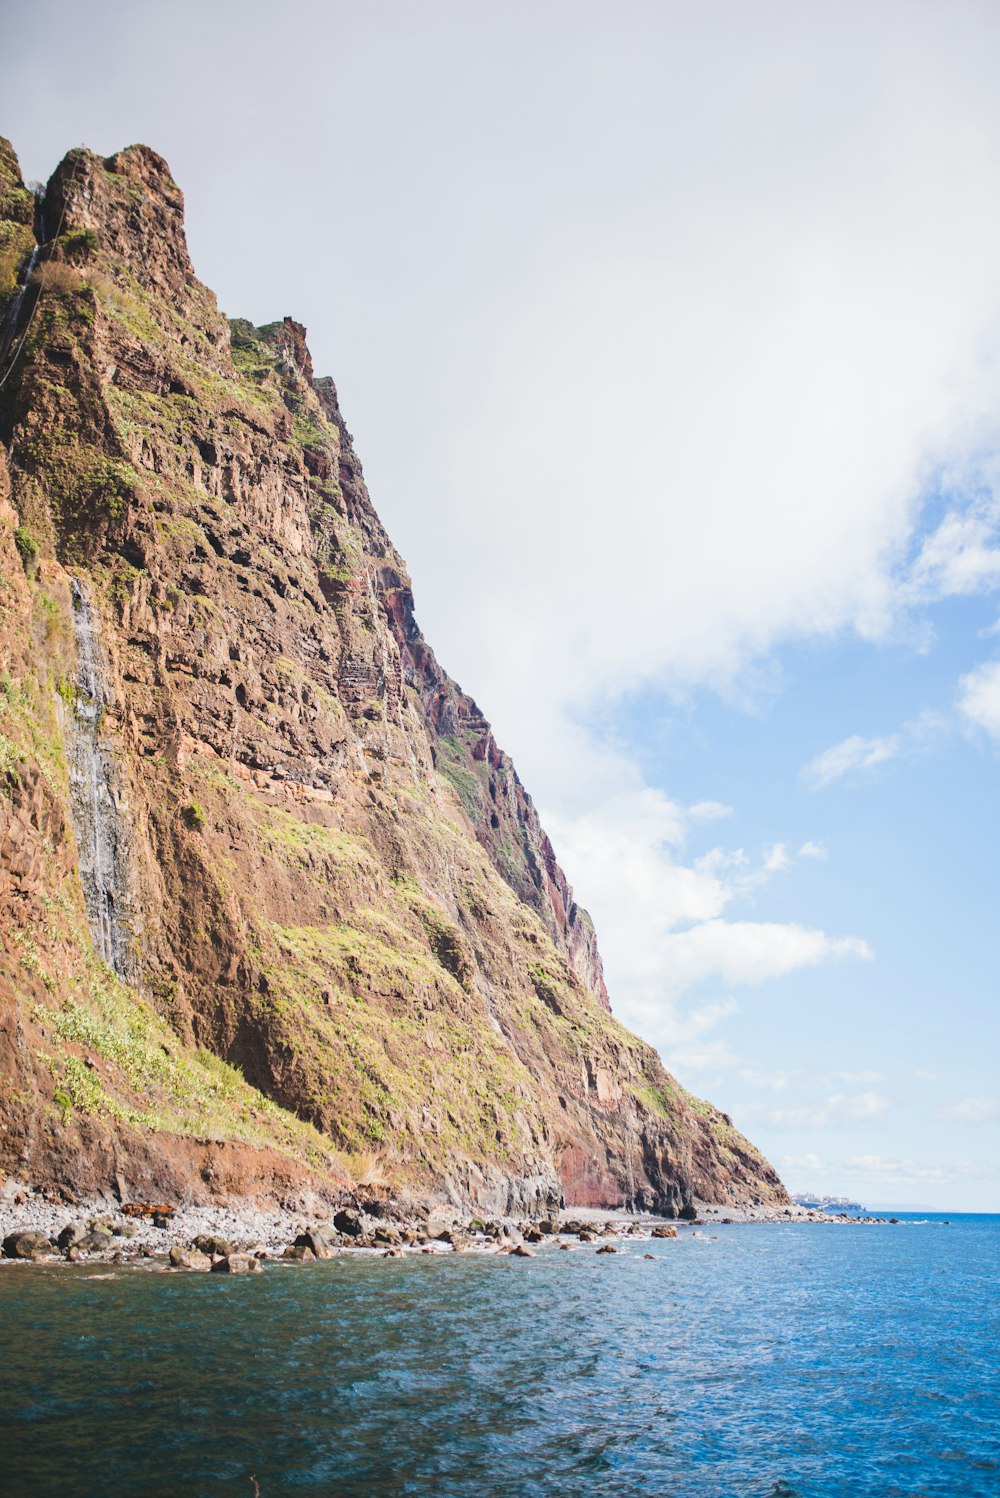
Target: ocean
752,1362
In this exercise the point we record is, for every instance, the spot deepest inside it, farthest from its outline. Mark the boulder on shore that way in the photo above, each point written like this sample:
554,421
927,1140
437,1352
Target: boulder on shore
96,1242
212,1244
24,1243
319,1241
348,1222
666,1231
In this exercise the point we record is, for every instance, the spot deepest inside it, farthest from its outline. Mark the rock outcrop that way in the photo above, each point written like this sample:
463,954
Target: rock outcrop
276,913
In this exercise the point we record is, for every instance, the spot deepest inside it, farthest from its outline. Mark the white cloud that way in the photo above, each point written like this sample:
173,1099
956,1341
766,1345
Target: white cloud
663,920
979,697
883,1169
851,1109
861,1173
777,860
857,757
751,951
771,1081
708,811
961,556
971,1110
838,1108
807,1162
725,398
852,756
812,850
682,1035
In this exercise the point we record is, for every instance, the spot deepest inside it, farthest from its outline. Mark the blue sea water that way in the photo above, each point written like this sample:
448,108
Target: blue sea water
797,1359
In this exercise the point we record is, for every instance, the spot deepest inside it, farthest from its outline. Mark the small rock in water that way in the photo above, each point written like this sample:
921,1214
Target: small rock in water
667,1230
297,1251
607,1248
238,1264
649,1256
188,1258
520,1252
319,1241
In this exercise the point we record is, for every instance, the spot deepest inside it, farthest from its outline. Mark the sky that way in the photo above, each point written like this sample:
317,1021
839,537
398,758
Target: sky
670,338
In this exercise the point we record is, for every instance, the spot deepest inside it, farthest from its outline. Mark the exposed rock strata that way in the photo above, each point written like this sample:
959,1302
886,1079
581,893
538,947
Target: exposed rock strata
351,948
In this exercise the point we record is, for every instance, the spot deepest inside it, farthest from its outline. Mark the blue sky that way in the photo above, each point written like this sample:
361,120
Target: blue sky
909,863
670,337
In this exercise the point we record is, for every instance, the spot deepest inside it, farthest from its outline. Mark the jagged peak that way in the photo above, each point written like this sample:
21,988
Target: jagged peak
17,202
290,336
145,165
10,166
132,206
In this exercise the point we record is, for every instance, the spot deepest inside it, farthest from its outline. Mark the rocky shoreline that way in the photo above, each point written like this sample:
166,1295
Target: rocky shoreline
237,1237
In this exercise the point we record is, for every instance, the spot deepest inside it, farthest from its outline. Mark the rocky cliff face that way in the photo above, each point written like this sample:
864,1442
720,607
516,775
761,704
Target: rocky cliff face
275,908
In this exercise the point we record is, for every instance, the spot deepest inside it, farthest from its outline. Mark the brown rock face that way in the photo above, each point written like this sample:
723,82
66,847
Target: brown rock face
338,945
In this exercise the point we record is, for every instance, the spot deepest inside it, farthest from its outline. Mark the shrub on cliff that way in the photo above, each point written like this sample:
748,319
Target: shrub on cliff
26,545
194,816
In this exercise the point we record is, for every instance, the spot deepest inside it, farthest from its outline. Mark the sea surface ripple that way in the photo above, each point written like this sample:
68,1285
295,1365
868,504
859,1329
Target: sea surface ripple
770,1361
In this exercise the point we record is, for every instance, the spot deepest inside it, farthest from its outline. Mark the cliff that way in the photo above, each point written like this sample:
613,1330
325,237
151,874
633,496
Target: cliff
275,909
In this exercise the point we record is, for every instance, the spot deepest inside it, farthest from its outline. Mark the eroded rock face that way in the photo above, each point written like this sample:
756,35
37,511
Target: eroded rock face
345,891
